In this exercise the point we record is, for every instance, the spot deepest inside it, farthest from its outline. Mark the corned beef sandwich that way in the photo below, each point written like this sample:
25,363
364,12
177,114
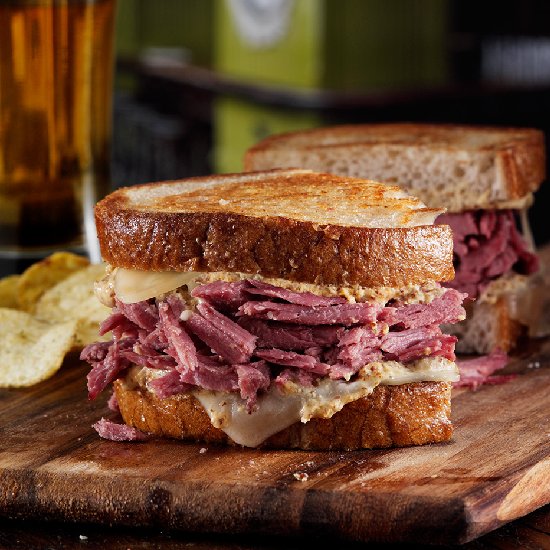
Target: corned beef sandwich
286,308
485,178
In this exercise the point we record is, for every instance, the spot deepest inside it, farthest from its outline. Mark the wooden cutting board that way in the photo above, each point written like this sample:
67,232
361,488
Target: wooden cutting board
496,468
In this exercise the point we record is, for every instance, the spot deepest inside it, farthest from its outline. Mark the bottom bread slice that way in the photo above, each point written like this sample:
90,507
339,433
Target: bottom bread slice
408,414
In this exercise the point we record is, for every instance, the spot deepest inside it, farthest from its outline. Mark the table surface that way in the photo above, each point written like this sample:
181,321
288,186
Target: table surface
59,470
531,532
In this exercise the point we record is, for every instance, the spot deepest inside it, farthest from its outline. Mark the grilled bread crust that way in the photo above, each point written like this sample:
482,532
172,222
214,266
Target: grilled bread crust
409,414
184,226
457,167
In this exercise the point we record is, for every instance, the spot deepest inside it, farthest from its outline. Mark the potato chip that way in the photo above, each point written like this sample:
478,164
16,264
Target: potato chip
8,292
43,275
74,298
31,350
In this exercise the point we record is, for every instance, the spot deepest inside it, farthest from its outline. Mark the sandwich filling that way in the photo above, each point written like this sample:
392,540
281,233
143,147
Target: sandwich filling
260,357
487,245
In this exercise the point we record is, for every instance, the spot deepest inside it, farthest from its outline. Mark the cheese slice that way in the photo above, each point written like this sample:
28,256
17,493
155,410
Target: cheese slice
280,408
132,286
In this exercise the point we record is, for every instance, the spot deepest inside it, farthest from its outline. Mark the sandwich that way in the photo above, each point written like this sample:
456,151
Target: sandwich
485,179
284,309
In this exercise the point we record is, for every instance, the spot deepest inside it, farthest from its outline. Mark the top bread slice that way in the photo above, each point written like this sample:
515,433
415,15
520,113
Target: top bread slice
456,167
291,224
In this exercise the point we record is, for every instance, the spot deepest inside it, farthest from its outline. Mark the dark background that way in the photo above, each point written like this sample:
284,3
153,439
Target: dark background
454,61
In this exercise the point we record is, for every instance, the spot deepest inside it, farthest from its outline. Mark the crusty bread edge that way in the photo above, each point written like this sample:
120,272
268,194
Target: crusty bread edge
522,161
276,247
409,414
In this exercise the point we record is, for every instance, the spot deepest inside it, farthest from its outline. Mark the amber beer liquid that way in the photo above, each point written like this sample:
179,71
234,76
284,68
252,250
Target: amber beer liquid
55,120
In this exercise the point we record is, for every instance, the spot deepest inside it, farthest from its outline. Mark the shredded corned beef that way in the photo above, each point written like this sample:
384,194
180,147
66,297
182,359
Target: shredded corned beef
144,315
95,352
357,347
396,343
293,359
290,337
106,370
180,346
300,298
252,378
446,309
224,336
487,244
108,429
169,384
211,375
112,404
342,314
243,336
149,357
223,296
479,370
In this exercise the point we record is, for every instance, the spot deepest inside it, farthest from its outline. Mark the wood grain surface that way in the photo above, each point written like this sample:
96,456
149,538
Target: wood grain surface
530,532
53,466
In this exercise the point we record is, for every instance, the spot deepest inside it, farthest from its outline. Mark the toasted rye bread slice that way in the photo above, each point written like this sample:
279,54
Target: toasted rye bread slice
410,414
293,224
456,167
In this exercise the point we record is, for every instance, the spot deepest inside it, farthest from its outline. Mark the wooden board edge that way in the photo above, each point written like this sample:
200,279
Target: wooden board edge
528,491
230,508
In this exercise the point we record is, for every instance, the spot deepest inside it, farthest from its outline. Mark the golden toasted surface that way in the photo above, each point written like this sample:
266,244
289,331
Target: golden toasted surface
410,414
457,167
297,194
296,225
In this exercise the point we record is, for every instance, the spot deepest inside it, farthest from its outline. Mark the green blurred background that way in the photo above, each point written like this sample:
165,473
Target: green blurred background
199,81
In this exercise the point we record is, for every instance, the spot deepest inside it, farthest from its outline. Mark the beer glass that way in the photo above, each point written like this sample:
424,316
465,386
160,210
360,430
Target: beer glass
56,71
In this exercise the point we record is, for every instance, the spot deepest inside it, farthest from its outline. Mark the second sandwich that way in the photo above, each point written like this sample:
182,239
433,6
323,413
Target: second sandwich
483,176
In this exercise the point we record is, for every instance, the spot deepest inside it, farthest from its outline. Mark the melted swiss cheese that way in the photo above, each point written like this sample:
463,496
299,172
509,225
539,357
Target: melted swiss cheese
132,286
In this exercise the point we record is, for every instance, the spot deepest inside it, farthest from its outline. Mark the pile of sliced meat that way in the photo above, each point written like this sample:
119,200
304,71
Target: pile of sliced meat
487,244
244,336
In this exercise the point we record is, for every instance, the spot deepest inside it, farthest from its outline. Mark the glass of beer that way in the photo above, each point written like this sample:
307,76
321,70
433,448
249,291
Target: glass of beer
56,73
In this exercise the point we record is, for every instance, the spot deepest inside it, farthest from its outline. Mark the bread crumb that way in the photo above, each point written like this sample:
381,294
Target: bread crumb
203,450
301,476
223,202
82,537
